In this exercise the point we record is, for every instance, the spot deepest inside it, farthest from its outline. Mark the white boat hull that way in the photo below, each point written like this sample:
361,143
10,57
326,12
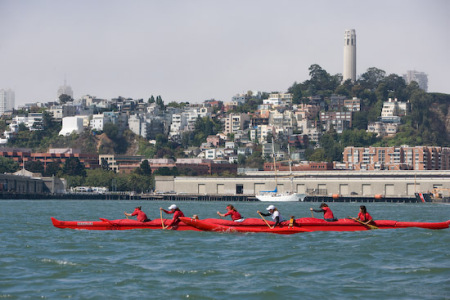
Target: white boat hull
271,197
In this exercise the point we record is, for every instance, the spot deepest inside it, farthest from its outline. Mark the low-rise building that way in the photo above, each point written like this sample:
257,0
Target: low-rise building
383,129
340,120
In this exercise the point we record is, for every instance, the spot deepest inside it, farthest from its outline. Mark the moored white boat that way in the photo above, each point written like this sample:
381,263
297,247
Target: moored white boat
275,197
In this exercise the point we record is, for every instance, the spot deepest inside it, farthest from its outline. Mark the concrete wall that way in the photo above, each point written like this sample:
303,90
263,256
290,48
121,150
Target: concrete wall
343,183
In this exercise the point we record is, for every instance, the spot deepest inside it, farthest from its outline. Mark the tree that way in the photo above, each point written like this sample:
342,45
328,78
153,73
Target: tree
8,165
99,177
144,168
48,122
160,103
73,167
52,169
111,130
296,91
151,99
359,120
395,87
372,78
317,155
34,166
241,160
105,165
65,98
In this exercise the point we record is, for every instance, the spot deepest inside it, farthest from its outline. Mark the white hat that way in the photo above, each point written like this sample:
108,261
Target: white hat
270,207
173,206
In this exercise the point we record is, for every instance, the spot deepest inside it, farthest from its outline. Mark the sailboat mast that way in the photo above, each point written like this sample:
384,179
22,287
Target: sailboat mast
274,164
290,169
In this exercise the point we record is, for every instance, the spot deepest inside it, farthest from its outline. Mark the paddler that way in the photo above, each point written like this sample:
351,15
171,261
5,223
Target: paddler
274,213
141,216
231,211
364,216
327,213
177,213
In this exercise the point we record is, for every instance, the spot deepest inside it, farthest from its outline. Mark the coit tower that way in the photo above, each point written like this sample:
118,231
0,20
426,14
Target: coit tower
349,55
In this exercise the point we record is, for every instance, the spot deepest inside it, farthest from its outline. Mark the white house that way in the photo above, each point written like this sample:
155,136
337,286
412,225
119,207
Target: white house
71,124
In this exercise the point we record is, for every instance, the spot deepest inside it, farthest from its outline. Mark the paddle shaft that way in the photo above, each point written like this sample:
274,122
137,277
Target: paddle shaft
361,222
162,221
264,220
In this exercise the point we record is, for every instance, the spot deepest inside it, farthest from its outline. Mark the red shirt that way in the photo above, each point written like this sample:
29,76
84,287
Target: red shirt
141,216
176,217
235,215
364,217
328,214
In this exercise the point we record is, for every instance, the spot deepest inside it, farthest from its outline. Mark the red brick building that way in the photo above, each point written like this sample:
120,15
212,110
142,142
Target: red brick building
22,156
397,158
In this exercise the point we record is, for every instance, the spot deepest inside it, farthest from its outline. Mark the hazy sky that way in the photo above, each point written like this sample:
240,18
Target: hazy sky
195,50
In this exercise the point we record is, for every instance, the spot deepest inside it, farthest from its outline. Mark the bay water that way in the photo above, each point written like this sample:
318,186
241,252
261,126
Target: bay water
39,261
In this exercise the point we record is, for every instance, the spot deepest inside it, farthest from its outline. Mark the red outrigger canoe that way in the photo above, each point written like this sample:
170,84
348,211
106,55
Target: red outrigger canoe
249,225
119,224
306,224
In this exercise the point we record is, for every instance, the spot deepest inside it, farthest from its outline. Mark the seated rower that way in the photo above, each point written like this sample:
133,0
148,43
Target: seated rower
274,213
231,211
141,216
177,213
364,216
327,213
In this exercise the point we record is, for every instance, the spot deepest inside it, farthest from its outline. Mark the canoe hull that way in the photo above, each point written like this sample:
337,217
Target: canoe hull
119,224
304,224
208,226
249,225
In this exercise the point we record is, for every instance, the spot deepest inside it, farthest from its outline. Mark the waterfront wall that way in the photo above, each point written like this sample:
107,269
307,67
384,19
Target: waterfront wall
342,183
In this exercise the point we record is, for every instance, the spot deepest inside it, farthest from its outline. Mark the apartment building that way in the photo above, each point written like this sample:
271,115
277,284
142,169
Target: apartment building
383,129
393,107
340,120
236,122
397,158
353,104
279,99
22,156
7,100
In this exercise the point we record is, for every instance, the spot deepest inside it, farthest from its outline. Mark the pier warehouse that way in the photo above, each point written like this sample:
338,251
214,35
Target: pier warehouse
326,183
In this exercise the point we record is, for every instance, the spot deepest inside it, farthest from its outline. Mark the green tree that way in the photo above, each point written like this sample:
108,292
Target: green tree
73,167
359,120
242,160
52,169
160,103
8,165
99,177
73,181
372,78
111,130
318,155
35,166
297,94
144,168
63,99
104,164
